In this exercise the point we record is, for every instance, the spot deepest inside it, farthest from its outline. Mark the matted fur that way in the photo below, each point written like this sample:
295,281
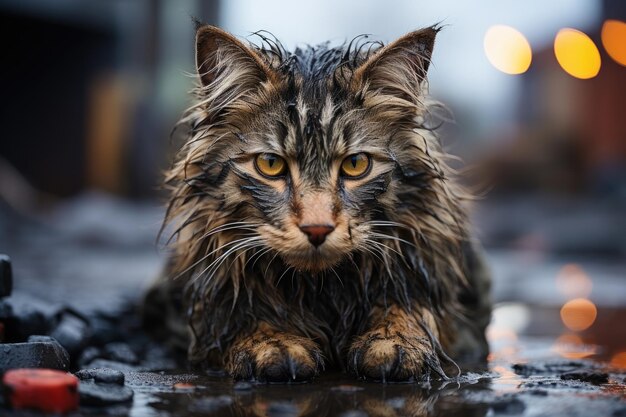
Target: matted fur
239,268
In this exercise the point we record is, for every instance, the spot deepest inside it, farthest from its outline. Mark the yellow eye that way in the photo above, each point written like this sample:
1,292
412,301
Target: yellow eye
270,165
356,165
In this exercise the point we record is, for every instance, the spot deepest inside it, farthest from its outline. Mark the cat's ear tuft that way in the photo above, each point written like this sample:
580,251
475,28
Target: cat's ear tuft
399,68
223,58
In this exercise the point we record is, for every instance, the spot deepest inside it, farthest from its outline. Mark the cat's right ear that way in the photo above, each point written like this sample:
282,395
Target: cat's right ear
399,69
224,61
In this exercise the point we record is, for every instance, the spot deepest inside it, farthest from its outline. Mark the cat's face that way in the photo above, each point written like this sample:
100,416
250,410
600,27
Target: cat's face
307,153
315,195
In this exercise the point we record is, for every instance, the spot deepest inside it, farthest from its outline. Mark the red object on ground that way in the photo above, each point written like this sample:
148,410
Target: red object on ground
46,390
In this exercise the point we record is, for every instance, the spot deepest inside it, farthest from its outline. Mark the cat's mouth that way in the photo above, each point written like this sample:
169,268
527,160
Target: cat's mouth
314,260
299,251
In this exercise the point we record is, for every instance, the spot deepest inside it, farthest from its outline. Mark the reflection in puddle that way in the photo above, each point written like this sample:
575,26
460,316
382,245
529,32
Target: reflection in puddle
571,346
506,381
619,360
573,282
524,375
325,397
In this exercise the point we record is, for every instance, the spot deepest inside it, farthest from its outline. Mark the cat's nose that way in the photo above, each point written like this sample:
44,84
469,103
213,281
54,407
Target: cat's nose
317,232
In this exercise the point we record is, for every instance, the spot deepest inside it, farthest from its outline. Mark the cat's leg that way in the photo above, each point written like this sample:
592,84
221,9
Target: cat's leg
397,345
268,355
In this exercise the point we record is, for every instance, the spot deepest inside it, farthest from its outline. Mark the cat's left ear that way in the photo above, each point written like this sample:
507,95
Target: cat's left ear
399,68
225,63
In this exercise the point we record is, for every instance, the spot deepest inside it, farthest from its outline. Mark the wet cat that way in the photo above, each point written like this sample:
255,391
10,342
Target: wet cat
317,224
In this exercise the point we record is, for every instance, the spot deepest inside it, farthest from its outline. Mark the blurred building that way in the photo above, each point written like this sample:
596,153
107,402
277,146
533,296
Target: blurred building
571,133
92,88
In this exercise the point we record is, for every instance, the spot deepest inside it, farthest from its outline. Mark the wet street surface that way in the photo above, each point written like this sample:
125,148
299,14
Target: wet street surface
500,392
558,338
524,377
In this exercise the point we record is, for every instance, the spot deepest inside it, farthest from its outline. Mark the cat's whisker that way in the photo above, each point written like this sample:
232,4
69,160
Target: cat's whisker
249,230
293,274
243,247
258,255
223,259
389,224
258,245
351,258
230,226
243,252
385,256
243,243
233,223
391,242
269,263
391,237
240,222
375,242
370,251
203,258
283,274
337,275
385,223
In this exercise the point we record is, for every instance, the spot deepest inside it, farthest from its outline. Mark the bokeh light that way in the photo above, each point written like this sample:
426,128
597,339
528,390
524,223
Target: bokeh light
571,346
508,380
507,49
578,314
573,282
614,40
619,360
577,54
498,333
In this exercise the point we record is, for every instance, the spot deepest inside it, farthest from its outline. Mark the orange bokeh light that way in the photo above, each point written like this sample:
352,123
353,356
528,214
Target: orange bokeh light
569,339
507,49
578,314
507,381
499,333
614,40
571,346
619,360
577,54
573,282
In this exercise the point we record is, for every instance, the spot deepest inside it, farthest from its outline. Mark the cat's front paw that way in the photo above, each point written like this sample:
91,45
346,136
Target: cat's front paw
276,358
390,357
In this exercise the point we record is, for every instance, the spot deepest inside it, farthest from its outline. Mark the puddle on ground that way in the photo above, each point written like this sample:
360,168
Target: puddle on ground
525,375
535,368
533,387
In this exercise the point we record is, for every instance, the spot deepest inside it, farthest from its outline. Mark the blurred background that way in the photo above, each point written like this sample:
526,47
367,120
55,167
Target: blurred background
92,88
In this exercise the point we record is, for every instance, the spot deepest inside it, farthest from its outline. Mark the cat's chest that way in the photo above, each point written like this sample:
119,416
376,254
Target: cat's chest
338,300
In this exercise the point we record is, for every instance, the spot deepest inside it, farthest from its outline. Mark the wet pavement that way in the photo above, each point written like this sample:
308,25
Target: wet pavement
525,376
96,255
499,391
